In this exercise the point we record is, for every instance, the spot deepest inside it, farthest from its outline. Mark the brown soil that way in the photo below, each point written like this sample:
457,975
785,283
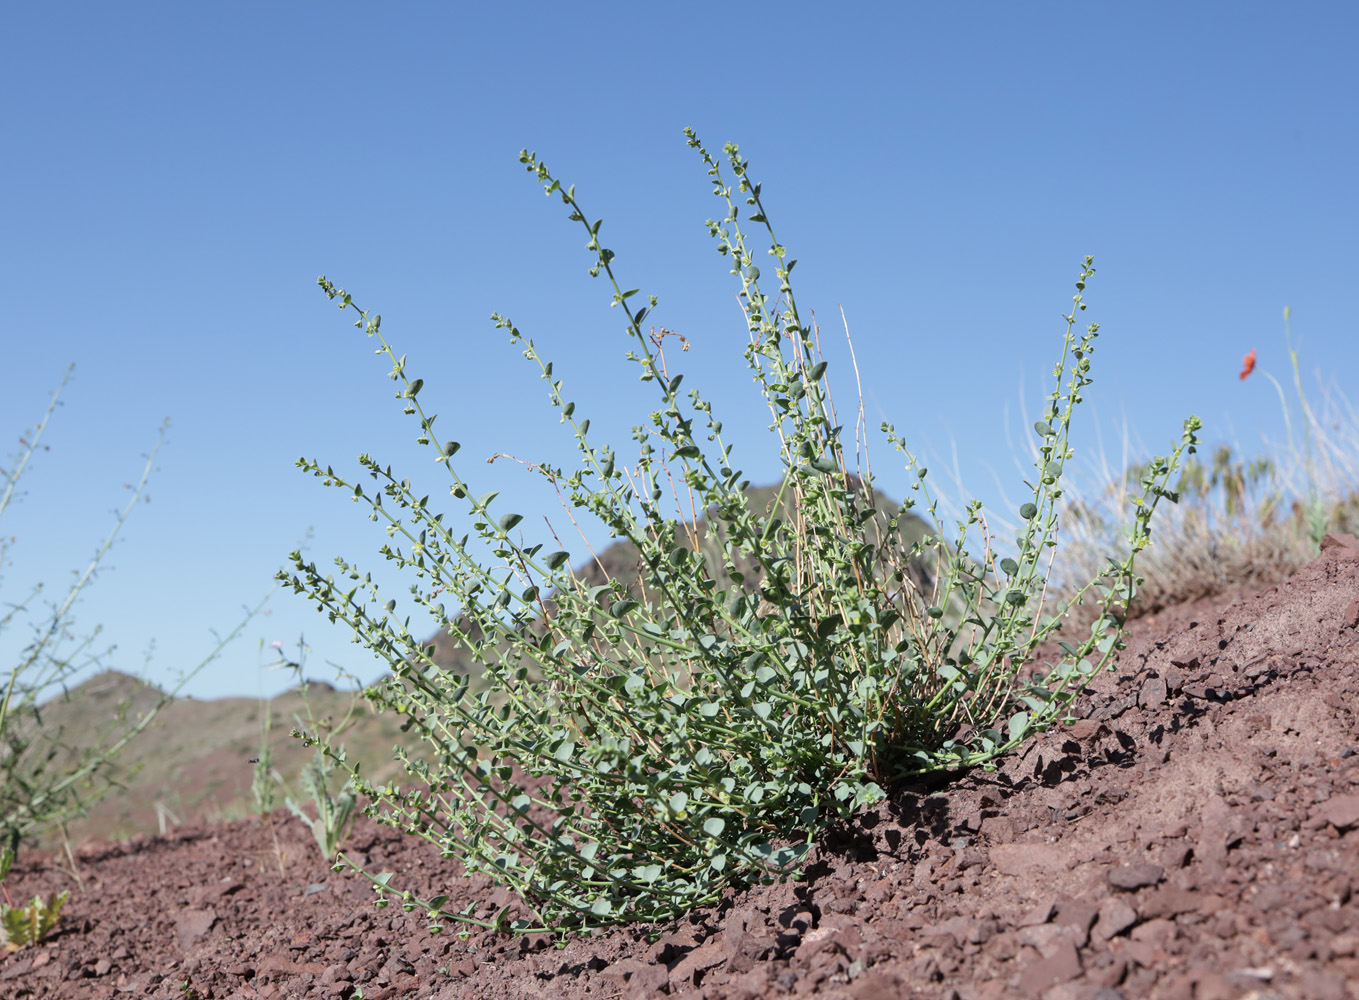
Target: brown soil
1196,837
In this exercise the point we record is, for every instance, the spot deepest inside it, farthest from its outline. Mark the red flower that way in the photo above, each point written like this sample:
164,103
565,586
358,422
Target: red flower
1248,363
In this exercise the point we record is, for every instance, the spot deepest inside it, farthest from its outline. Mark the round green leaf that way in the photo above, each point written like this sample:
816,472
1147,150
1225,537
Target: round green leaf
824,463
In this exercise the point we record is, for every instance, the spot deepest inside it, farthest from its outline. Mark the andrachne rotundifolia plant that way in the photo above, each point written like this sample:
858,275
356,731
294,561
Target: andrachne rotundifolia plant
634,747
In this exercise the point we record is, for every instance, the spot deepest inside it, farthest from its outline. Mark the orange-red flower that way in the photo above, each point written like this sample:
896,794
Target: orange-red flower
1248,363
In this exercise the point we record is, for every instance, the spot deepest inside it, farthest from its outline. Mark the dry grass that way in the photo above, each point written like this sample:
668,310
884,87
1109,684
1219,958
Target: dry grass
1239,521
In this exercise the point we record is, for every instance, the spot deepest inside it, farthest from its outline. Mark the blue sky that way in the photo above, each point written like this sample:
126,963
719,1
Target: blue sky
177,175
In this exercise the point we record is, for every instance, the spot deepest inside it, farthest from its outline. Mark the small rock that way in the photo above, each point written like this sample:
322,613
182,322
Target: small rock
1078,914
1063,965
1131,877
1040,914
700,959
1153,692
878,986
1214,986
338,973
276,963
1168,901
1115,917
1317,984
961,929
1332,540
1023,859
1157,933
1342,812
1218,832
638,976
1049,939
191,925
1344,945
1085,729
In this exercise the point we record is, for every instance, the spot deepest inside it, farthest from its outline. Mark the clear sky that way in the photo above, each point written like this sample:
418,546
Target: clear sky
175,177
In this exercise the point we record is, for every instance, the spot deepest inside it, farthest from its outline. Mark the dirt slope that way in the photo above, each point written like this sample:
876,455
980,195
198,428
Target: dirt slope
1196,838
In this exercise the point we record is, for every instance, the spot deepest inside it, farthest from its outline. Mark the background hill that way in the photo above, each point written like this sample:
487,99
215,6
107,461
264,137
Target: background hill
194,761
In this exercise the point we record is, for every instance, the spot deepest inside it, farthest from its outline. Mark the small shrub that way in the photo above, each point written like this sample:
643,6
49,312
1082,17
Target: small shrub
633,748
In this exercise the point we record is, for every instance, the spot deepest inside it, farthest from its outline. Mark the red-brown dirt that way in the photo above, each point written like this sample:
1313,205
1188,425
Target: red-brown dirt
1195,838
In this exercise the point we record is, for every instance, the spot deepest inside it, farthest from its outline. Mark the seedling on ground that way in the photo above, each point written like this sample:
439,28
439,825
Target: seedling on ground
335,811
25,925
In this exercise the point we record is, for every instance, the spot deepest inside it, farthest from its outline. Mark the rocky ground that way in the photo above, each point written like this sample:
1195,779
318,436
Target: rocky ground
1196,838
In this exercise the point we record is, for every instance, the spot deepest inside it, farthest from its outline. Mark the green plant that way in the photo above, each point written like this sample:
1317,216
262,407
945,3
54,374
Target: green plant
22,925
635,747
334,811
44,780
264,779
